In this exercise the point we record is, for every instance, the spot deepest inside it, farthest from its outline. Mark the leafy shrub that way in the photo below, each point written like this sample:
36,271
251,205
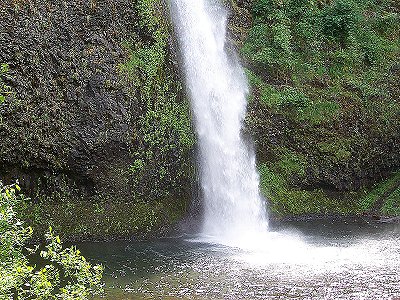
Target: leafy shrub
339,19
65,275
293,98
312,46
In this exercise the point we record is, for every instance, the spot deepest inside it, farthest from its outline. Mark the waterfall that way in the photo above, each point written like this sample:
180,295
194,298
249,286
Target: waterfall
217,87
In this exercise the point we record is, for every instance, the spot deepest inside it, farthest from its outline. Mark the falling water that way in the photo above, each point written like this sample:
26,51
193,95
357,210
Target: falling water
217,86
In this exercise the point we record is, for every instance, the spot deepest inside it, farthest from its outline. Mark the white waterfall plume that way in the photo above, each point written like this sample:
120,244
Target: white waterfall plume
217,87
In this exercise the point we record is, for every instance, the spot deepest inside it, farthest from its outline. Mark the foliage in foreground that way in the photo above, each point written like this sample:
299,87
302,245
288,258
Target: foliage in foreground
61,273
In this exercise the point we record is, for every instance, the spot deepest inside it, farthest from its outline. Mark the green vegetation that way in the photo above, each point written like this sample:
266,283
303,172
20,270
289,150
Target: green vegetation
164,134
75,216
383,198
392,205
324,107
319,57
79,219
4,89
61,273
285,199
299,41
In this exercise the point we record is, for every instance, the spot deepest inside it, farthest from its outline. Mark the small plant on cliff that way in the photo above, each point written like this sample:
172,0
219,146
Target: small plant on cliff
4,89
62,274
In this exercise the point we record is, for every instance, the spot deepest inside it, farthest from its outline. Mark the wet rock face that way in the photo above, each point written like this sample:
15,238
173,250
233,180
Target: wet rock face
71,116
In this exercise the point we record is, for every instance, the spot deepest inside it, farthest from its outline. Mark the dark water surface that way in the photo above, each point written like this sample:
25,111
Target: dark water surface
308,260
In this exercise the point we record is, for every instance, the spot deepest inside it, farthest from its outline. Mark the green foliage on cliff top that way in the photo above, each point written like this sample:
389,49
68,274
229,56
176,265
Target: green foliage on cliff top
310,38
63,273
345,51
